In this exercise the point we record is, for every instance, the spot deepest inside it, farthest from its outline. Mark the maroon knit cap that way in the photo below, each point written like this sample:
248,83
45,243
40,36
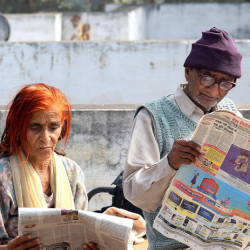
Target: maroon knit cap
215,51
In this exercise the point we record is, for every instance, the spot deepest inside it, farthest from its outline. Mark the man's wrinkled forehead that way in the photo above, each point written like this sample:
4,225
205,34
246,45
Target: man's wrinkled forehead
217,74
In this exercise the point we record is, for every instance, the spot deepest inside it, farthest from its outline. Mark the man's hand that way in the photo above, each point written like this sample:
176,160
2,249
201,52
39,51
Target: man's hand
90,246
24,242
183,152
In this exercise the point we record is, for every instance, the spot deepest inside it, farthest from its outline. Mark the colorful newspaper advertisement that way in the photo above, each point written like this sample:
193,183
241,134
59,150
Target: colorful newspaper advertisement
207,205
68,229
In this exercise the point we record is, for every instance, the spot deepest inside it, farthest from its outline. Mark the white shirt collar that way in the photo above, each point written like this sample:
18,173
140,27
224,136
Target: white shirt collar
184,103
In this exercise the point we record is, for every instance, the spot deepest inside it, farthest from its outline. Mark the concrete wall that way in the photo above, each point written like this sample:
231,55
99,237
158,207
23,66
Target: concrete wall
58,26
99,141
109,26
106,72
111,6
186,21
35,27
137,22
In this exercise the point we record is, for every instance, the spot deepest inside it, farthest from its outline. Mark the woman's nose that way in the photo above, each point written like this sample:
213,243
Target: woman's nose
45,136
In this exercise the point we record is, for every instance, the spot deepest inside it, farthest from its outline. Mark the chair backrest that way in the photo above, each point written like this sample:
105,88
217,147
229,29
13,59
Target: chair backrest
118,199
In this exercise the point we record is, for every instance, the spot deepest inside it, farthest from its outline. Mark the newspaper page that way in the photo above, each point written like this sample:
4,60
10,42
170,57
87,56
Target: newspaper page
68,229
207,205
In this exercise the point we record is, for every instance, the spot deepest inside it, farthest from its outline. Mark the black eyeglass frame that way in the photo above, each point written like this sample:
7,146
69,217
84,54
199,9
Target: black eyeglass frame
215,81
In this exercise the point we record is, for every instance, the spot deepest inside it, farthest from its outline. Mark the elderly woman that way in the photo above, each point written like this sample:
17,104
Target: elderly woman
33,169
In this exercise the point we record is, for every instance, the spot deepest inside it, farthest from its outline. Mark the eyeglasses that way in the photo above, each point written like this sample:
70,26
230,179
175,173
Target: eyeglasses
208,81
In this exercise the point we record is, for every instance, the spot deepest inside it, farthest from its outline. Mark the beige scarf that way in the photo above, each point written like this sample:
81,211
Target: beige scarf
28,186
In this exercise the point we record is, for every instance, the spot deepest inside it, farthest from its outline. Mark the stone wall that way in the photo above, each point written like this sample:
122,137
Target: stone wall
99,141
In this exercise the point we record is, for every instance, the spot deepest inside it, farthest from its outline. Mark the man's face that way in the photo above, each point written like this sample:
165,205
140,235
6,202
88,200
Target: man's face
205,97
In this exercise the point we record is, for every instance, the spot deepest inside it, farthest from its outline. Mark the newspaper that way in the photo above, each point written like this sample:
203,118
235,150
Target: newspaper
207,205
68,229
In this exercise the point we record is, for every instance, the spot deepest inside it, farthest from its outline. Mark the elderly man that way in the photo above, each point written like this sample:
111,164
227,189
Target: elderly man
162,129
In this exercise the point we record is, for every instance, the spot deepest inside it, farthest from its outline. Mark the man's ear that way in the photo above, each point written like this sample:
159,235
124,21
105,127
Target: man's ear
187,69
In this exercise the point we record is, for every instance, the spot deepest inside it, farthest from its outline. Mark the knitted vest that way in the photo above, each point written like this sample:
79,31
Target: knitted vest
171,124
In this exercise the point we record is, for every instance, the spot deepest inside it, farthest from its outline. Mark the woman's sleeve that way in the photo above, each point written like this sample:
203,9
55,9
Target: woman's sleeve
81,197
8,222
3,217
77,184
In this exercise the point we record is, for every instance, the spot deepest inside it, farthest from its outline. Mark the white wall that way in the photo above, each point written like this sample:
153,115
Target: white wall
137,24
106,72
186,21
111,6
104,26
57,26
131,22
34,27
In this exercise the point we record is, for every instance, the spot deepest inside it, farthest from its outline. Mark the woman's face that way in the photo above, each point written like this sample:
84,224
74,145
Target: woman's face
43,131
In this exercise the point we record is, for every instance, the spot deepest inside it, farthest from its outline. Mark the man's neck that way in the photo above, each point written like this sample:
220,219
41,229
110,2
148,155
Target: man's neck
209,111
187,92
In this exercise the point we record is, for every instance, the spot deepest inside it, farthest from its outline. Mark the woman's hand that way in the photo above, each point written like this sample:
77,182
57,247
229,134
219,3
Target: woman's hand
24,242
90,246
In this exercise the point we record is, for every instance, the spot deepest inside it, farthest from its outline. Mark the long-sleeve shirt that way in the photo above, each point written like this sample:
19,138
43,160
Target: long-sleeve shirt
146,176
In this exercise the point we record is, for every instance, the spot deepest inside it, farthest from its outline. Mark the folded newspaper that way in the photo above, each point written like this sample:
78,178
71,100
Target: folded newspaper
67,229
207,205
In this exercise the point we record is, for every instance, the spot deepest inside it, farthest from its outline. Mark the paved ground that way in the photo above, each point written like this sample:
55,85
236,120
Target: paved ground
142,246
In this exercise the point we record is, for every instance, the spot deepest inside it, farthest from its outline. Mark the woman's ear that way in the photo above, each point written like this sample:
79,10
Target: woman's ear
59,138
187,73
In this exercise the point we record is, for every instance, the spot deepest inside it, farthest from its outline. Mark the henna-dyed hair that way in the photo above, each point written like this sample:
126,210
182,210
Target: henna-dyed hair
31,98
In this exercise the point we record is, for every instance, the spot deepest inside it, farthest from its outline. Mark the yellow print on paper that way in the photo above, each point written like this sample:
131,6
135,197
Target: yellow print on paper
211,159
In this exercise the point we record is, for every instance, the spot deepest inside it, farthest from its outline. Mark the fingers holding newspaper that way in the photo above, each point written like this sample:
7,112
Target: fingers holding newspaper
24,242
183,152
90,246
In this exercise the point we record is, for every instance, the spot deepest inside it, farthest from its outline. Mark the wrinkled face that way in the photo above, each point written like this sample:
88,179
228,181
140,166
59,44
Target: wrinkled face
205,97
43,131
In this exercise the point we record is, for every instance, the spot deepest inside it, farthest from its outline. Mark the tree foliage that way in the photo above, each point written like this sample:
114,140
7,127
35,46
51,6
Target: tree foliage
31,6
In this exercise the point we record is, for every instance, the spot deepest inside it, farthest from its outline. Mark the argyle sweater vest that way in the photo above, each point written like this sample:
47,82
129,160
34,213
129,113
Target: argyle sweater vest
171,124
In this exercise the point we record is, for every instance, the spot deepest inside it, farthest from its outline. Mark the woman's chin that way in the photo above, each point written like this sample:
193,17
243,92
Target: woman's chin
46,154
42,155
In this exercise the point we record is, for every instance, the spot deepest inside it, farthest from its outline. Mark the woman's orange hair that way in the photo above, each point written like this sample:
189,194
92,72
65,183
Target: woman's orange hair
31,98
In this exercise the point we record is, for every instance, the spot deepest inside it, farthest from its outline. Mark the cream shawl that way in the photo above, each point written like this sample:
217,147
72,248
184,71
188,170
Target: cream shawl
28,186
